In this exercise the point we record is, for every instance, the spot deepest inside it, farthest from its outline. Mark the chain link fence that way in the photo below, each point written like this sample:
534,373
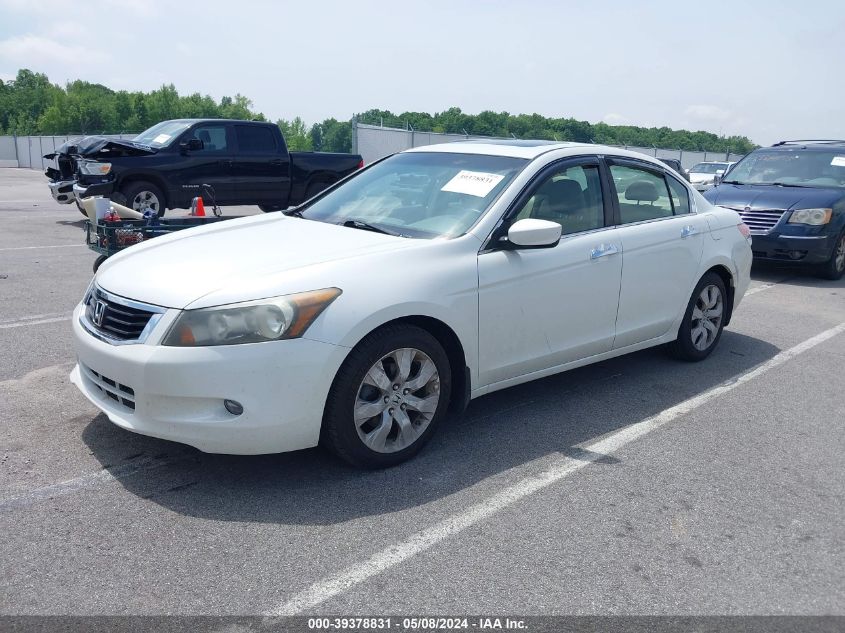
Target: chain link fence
374,142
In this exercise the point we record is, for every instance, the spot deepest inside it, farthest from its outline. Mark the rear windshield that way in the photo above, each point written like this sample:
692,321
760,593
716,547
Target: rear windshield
799,168
423,195
162,134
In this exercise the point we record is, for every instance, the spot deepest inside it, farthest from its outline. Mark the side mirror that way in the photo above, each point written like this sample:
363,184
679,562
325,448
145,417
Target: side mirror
192,145
532,233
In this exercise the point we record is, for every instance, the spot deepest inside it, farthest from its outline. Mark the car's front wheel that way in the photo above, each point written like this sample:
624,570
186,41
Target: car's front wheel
141,196
834,268
703,320
388,397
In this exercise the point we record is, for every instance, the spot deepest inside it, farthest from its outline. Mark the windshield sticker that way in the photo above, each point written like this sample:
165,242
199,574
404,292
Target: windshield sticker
161,138
838,161
473,183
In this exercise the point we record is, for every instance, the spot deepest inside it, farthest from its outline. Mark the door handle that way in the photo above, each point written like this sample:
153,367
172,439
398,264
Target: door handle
688,230
603,250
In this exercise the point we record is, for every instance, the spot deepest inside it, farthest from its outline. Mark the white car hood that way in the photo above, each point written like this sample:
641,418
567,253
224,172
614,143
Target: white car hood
233,256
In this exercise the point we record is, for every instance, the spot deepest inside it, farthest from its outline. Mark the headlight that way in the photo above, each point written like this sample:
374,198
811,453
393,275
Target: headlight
250,322
815,217
94,168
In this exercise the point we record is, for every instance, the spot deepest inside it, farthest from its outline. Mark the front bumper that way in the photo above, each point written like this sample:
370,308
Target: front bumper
98,189
177,393
810,249
62,191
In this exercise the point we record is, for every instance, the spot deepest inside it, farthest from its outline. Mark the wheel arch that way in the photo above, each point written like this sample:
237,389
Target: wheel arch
452,345
153,179
728,278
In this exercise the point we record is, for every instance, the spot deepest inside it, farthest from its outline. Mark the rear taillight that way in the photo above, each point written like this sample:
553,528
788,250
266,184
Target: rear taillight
361,164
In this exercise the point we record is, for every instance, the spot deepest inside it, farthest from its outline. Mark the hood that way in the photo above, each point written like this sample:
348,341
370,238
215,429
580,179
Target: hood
773,196
101,147
238,260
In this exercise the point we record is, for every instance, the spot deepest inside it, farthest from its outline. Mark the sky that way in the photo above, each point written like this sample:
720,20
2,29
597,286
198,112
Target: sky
766,70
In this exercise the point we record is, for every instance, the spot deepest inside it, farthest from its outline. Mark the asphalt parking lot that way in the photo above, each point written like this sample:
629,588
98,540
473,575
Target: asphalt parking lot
640,485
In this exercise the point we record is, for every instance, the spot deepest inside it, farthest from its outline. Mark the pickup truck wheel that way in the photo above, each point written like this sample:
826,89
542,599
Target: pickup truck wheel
314,188
834,268
81,208
267,208
143,196
703,321
387,398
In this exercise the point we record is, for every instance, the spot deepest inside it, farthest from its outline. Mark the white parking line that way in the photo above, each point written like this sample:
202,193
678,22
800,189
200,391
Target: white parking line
759,288
391,556
27,248
34,321
78,483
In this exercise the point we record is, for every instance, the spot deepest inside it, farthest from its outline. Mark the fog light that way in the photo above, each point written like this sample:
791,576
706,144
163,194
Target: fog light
233,406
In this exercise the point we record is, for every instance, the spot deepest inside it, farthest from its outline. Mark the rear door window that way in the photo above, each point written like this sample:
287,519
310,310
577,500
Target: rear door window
642,194
255,139
680,196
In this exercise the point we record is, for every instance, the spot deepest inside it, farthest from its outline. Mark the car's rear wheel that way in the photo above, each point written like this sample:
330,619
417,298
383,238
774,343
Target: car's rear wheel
703,320
387,398
834,268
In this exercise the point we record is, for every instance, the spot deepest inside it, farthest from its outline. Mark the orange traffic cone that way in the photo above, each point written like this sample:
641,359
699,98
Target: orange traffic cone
197,207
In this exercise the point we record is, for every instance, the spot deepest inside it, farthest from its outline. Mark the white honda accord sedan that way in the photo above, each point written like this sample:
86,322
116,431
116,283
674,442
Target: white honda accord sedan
434,276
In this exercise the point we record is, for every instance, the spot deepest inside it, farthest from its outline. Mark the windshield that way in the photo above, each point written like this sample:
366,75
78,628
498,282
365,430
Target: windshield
708,168
425,194
162,133
805,168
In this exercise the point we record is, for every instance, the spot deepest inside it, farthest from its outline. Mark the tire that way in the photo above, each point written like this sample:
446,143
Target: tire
98,262
834,268
141,195
81,208
314,188
708,297
397,429
268,208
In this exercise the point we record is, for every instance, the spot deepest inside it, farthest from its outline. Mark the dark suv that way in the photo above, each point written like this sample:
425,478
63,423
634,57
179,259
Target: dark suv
792,196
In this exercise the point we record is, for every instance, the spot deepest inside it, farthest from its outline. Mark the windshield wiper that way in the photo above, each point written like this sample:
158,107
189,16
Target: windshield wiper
294,212
732,182
364,226
792,184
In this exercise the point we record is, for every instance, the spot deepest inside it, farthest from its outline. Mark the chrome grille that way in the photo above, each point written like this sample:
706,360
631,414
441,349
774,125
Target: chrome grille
120,393
115,319
760,221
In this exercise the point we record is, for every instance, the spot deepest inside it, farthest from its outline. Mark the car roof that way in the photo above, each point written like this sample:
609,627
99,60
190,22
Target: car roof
527,149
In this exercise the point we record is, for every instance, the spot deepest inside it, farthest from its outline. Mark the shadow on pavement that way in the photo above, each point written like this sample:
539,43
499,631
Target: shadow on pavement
791,275
498,432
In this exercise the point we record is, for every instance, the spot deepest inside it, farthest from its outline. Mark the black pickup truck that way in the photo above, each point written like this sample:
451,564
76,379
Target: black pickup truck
245,162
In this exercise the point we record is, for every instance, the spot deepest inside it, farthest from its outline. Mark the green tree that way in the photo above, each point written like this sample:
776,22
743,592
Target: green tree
296,134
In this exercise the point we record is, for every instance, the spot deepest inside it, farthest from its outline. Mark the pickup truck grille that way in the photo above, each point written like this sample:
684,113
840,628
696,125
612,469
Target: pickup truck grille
114,319
760,221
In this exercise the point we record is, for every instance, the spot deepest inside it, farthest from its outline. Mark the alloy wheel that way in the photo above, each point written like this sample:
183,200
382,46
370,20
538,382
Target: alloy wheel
839,256
707,317
145,200
397,400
